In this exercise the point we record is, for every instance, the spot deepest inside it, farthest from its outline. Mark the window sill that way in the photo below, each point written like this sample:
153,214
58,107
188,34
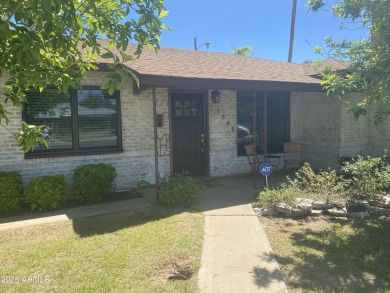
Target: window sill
43,155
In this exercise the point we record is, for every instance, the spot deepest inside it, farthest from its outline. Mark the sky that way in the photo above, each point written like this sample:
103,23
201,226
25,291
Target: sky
262,24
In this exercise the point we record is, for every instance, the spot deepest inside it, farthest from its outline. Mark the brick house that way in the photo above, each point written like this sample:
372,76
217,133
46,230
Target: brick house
172,123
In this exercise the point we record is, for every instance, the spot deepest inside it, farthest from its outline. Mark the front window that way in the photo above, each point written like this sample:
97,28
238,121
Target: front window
278,109
81,121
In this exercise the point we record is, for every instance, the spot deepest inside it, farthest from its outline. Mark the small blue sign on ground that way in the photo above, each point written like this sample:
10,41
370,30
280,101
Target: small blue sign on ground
265,169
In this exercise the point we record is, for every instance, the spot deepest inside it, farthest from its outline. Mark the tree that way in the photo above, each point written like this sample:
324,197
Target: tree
243,50
368,70
41,44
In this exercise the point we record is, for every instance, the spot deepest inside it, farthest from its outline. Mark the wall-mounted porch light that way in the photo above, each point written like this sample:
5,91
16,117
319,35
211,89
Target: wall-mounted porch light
216,96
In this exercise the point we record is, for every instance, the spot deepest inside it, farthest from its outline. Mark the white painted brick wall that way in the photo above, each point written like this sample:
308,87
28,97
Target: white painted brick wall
328,131
316,122
9,149
223,137
356,134
380,138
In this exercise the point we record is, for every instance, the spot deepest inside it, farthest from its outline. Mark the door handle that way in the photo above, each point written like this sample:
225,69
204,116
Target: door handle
202,142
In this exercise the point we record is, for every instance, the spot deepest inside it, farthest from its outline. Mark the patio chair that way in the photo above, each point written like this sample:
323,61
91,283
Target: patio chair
252,159
293,153
254,162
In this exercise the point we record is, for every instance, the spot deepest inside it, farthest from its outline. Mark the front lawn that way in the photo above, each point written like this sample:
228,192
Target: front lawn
331,254
124,252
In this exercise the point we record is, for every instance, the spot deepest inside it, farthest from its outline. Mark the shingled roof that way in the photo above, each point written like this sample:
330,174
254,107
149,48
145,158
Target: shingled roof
203,68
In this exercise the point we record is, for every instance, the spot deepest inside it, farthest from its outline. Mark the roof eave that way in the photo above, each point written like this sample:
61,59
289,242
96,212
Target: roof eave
226,84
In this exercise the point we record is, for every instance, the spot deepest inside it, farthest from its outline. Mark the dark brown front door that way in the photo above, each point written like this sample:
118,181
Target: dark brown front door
188,133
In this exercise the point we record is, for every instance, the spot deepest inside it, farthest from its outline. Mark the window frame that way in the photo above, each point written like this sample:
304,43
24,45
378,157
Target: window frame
76,149
271,122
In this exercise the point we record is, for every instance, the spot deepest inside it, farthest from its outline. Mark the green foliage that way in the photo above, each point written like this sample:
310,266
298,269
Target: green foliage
179,189
285,193
142,182
93,182
368,177
11,186
325,184
368,69
243,51
29,136
364,178
46,42
45,192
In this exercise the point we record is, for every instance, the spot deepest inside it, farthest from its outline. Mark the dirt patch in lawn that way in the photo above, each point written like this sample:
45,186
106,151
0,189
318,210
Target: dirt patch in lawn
331,254
180,269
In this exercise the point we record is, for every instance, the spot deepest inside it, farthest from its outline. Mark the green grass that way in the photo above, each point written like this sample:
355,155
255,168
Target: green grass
332,255
114,253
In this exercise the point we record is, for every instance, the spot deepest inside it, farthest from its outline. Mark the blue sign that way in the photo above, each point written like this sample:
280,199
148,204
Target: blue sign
265,169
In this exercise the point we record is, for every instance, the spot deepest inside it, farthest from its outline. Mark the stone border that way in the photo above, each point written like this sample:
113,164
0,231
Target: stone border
308,207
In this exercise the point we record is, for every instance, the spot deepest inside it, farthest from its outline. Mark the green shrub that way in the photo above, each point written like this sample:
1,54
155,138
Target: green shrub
45,192
327,185
179,189
11,186
93,182
284,193
142,182
368,177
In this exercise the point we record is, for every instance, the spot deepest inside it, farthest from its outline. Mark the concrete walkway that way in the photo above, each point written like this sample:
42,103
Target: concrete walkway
237,256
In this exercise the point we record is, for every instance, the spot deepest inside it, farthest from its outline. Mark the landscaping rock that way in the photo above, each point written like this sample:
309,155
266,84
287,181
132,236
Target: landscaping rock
386,199
356,207
268,211
377,203
265,211
322,205
359,215
316,212
257,211
300,212
284,208
304,201
373,210
304,204
339,205
338,212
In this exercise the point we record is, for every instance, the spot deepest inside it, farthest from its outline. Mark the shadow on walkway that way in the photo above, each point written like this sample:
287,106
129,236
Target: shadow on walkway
232,191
